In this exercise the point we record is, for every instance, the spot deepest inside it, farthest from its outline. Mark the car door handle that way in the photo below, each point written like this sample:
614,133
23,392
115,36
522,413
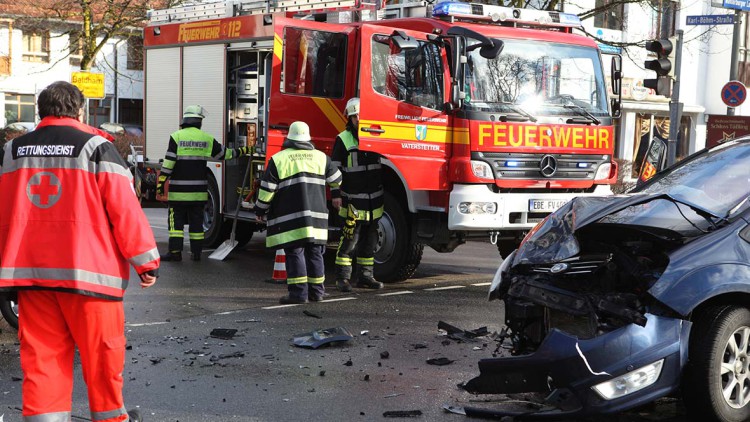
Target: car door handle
372,130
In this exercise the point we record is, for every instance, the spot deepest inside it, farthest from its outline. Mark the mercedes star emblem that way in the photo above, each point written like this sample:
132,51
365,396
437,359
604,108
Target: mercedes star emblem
548,166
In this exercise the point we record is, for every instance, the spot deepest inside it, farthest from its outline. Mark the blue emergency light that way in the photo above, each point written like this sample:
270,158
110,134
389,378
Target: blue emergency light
500,14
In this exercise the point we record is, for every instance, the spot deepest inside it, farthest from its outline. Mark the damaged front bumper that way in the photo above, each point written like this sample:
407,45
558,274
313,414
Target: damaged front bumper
567,369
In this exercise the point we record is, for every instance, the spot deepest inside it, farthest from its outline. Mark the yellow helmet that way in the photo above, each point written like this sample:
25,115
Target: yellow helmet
299,131
194,111
352,107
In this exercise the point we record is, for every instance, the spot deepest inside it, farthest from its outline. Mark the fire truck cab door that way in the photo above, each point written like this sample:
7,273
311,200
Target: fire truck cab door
314,59
404,84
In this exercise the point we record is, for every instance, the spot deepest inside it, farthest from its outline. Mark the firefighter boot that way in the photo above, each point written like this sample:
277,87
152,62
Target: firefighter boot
342,284
366,279
195,250
174,256
315,292
297,294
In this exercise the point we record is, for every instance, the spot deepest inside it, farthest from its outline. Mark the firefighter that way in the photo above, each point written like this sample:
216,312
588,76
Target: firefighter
361,205
70,228
185,167
292,193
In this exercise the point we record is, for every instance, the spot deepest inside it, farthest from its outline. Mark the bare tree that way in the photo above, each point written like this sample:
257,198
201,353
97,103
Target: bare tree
89,24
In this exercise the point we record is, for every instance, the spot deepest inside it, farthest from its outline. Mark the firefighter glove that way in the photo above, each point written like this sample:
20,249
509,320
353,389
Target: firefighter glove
242,151
160,185
350,223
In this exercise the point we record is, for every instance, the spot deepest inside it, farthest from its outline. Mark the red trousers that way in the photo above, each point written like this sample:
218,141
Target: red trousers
51,325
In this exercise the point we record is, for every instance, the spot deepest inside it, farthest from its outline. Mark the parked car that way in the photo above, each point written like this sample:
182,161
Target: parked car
15,129
614,302
120,128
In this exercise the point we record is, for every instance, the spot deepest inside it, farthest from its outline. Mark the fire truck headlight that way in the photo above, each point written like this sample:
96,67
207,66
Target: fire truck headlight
477,208
602,173
482,169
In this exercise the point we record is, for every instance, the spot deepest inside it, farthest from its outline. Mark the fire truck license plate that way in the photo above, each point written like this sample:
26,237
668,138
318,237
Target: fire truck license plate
545,205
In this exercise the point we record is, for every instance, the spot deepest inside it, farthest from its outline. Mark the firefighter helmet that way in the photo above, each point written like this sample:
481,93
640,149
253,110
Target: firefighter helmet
299,131
352,107
194,112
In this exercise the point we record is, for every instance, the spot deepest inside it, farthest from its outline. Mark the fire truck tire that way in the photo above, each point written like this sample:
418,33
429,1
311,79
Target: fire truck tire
506,246
213,222
397,254
244,233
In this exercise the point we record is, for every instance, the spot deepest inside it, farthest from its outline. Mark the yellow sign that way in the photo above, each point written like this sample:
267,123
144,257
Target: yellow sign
91,84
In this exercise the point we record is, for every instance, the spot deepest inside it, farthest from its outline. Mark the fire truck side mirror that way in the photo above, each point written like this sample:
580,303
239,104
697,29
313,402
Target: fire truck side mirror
616,74
403,41
492,50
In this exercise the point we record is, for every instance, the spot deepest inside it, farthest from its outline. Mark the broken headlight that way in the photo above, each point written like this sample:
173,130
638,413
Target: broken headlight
497,289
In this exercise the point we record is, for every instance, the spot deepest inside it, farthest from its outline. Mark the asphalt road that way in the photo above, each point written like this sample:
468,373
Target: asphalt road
175,370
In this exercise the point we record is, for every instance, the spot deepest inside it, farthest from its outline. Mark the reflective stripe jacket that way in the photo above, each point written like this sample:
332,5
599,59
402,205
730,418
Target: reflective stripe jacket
293,193
185,164
70,220
362,185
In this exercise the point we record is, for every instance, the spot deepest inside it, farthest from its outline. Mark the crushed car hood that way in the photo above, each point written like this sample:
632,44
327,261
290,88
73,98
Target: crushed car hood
553,240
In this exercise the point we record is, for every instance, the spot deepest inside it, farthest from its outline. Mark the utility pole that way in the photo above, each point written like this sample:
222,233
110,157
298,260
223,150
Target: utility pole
675,106
735,52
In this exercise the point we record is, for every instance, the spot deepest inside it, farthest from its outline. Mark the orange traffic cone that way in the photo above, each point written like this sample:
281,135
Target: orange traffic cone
279,267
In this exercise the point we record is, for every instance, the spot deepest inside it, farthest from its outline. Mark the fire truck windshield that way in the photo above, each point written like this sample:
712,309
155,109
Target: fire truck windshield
545,79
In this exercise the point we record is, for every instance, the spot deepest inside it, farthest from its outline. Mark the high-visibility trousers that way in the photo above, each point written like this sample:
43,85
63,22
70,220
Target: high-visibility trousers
51,325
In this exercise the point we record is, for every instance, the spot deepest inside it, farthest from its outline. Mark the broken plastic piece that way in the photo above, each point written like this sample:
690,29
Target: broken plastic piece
402,413
440,361
462,335
223,333
320,338
310,314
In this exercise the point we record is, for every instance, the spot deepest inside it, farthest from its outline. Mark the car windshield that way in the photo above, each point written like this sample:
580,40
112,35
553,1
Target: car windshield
541,78
716,181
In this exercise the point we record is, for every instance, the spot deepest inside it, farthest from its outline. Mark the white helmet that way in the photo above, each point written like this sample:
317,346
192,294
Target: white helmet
352,107
194,111
299,131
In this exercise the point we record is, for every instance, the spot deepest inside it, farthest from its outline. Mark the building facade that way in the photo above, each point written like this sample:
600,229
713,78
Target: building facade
35,53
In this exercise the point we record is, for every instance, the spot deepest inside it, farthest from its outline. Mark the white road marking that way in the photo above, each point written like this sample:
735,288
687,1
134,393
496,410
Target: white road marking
339,299
482,284
281,306
146,324
434,289
402,292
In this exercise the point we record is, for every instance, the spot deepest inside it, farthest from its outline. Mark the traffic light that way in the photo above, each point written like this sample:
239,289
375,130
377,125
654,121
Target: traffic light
662,66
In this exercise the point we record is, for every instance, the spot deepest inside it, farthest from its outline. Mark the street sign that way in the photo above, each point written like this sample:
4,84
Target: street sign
737,4
733,94
725,128
710,20
91,84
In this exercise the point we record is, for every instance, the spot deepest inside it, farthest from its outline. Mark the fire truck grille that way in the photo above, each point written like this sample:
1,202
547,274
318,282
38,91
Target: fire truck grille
545,166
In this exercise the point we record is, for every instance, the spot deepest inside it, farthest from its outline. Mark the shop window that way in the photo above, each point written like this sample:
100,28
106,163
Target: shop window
611,15
414,76
653,126
100,111
36,46
663,18
20,108
314,63
135,53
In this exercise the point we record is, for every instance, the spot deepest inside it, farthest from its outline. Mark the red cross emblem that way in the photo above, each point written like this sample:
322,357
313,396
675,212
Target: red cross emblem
44,189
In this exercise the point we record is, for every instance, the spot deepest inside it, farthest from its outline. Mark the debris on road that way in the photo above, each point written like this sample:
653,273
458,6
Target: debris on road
440,361
458,334
402,414
310,314
384,354
319,338
223,333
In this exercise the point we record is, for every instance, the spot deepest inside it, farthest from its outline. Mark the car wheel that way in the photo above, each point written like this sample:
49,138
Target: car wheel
9,308
717,379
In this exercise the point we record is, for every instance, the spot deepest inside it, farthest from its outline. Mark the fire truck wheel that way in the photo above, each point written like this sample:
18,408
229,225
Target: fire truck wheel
213,222
244,233
506,246
9,308
397,254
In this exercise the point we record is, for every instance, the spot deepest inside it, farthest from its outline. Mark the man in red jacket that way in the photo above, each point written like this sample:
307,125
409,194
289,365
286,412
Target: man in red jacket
70,228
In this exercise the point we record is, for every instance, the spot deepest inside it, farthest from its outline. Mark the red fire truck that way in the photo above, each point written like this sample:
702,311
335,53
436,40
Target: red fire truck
487,118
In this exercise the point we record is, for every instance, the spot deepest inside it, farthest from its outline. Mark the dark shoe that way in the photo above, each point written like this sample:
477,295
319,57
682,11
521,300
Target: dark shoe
134,415
290,300
343,285
315,298
172,256
195,256
368,283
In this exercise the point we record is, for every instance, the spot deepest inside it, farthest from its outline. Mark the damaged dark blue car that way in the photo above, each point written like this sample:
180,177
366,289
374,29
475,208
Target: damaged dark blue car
614,302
